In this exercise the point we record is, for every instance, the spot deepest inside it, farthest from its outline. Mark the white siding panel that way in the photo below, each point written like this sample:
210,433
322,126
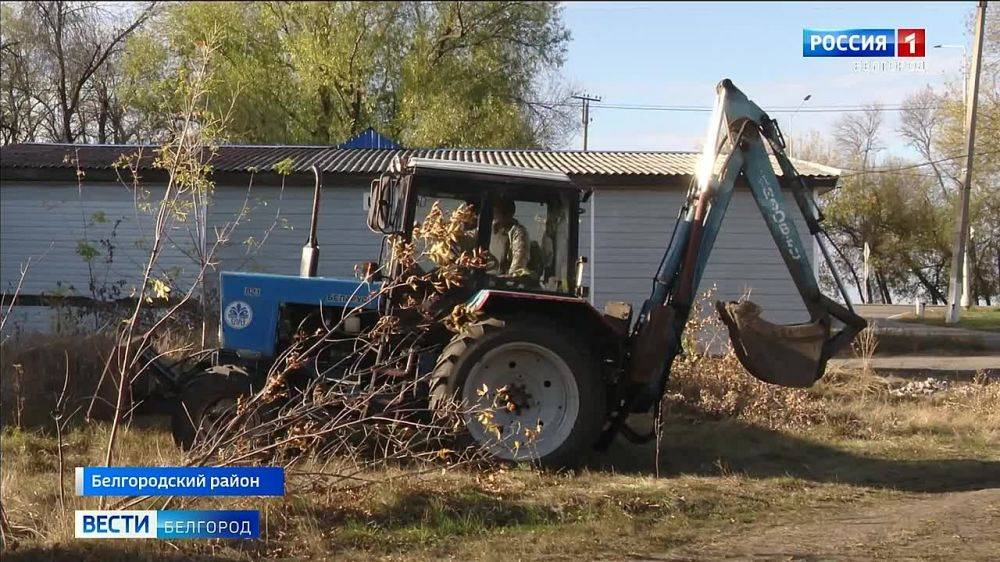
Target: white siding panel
633,230
280,218
48,222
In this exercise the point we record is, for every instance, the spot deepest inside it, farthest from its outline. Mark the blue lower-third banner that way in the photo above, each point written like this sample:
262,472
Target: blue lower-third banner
167,524
180,481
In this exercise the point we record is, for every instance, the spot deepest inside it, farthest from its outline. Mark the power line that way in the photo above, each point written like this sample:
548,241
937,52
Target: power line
704,109
833,108
856,172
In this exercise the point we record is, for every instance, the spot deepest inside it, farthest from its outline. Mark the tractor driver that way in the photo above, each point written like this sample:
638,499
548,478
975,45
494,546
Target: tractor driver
508,241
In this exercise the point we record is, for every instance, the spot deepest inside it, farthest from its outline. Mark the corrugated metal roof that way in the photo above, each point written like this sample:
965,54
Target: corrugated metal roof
239,158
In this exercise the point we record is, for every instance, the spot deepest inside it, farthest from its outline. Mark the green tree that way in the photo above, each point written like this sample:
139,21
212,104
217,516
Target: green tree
430,74
891,204
469,78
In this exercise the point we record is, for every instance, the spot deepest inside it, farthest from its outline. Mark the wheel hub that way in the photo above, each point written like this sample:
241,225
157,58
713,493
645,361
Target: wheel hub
220,409
524,400
518,398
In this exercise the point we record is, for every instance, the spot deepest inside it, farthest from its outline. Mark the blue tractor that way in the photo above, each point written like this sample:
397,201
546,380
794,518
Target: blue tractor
572,372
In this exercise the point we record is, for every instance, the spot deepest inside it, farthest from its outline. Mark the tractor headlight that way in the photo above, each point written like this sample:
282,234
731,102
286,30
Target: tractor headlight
352,324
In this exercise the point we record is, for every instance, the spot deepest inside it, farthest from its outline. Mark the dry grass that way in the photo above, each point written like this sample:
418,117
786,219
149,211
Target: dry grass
708,382
465,514
33,370
706,387
847,440
853,404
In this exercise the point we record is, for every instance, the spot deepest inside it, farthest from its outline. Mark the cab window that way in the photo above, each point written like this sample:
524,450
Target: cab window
448,202
528,241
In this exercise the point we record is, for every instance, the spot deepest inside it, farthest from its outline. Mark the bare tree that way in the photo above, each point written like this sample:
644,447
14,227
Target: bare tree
857,137
73,42
22,92
186,160
922,125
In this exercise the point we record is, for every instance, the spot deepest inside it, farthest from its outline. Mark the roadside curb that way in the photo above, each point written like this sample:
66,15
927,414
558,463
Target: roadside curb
900,337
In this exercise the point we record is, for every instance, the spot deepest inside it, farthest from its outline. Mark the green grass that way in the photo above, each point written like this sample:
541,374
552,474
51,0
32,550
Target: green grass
973,318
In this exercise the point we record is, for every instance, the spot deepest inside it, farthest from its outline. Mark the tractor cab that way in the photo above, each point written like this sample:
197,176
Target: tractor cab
526,219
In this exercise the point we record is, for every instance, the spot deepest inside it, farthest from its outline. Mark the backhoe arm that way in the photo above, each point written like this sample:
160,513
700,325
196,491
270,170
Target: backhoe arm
793,355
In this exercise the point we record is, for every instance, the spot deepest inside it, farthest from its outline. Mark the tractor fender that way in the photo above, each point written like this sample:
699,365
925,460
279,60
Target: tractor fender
576,313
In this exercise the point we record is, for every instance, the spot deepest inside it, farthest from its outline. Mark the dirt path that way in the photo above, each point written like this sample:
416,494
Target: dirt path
953,526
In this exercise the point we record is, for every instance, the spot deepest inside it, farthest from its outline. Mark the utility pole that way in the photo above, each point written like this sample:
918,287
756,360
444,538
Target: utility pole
586,113
585,99
866,275
956,280
966,273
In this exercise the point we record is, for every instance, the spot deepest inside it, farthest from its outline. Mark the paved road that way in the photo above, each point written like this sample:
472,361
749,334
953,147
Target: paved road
964,366
907,338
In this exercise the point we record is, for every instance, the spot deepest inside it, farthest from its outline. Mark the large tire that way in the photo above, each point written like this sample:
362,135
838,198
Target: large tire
205,399
565,387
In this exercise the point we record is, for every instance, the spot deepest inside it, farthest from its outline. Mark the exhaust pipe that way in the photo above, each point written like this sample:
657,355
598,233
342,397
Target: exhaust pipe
310,252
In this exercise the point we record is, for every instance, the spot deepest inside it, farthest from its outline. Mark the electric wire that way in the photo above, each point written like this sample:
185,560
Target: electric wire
857,172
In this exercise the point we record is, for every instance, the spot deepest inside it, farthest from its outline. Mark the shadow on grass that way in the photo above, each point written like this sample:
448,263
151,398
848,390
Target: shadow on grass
425,517
726,447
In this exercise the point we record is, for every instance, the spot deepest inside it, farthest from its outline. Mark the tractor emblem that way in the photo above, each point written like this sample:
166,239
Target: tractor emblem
238,315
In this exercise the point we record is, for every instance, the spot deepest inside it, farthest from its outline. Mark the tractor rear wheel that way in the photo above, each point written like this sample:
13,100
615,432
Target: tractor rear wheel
526,390
207,399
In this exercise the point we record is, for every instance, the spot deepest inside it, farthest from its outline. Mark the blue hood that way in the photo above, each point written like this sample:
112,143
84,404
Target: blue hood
251,302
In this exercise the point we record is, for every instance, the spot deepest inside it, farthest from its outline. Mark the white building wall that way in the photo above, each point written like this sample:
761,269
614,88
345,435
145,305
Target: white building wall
633,231
44,226
270,238
46,222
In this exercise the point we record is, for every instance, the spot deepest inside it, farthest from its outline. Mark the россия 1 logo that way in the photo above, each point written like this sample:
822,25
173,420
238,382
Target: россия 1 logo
910,42
903,42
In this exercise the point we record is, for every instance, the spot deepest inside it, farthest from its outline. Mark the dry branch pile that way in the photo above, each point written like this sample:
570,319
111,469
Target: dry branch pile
355,402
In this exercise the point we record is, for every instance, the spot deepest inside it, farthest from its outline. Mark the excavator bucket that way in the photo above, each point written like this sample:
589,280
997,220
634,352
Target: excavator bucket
786,355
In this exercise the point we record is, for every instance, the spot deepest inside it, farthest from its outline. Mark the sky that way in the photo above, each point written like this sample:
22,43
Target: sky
673,54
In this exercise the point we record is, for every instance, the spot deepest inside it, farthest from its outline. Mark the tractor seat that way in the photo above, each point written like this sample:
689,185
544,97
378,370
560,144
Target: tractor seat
536,261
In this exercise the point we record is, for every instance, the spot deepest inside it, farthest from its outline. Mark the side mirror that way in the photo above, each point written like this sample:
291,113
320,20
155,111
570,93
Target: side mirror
384,205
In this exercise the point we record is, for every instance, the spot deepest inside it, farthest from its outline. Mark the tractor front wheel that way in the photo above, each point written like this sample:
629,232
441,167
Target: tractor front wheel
207,399
526,390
